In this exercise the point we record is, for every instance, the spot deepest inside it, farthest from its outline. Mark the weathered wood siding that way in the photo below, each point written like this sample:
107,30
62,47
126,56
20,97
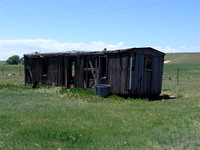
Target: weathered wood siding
125,71
36,69
137,74
65,71
79,71
157,75
118,73
146,81
27,70
53,70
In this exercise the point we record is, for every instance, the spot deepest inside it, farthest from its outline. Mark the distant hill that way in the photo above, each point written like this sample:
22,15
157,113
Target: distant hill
183,58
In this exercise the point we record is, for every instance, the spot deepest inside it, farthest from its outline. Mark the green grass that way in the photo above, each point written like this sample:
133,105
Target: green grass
189,75
53,117
12,74
2,62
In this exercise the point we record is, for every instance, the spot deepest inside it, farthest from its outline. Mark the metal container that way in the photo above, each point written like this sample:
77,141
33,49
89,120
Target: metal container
102,90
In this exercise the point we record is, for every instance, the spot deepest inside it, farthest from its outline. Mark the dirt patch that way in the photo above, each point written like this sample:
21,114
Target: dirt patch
49,90
167,95
167,61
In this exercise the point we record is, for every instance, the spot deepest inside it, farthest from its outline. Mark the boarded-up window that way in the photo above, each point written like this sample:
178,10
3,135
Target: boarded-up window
148,63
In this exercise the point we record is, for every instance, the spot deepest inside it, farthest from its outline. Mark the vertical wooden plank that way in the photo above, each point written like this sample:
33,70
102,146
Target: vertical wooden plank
77,71
109,72
60,73
133,69
161,73
39,67
49,73
56,73
156,81
136,75
141,74
82,72
25,70
130,71
124,78
92,70
118,74
87,73
65,72
97,69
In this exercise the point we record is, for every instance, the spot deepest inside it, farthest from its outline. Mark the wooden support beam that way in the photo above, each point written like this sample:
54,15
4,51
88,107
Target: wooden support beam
30,72
97,71
93,74
130,71
87,80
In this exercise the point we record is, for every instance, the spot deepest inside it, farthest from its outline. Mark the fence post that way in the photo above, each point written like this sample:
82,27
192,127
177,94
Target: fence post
178,77
20,72
2,71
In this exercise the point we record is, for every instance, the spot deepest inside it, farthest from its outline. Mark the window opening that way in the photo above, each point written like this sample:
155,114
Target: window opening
148,63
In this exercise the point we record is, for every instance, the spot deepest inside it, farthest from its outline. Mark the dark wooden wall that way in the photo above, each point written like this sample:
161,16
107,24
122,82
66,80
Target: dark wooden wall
146,81
79,71
157,75
32,70
118,73
53,70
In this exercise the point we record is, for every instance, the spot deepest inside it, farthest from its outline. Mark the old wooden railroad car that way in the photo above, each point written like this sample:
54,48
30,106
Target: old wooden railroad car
135,71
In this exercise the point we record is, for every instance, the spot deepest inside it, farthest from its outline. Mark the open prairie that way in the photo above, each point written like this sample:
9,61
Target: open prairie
59,118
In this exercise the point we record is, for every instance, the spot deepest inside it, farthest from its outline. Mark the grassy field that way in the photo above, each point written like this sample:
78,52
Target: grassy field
11,74
58,118
189,75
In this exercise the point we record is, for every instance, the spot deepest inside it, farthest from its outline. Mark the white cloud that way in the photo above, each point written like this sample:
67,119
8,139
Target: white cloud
20,47
191,49
166,49
169,49
195,48
182,49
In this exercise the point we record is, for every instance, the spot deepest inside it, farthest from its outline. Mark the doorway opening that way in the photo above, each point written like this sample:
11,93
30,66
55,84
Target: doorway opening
71,80
103,69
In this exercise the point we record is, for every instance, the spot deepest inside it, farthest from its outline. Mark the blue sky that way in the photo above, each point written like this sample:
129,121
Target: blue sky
62,25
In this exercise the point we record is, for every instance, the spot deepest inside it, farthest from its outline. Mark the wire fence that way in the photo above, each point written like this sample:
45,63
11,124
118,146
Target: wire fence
182,76
11,70
185,76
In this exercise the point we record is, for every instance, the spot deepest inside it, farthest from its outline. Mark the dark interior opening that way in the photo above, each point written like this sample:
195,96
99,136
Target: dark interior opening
133,61
148,63
89,72
72,73
103,64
